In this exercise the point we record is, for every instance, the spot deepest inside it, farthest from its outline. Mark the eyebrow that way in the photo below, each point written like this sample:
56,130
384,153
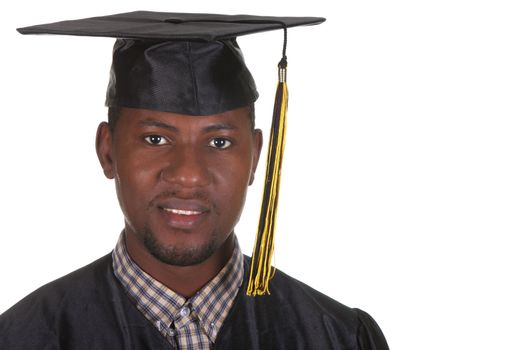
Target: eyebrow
220,126
208,128
158,124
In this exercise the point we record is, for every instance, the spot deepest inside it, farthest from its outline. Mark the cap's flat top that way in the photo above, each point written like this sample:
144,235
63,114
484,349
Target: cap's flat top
170,26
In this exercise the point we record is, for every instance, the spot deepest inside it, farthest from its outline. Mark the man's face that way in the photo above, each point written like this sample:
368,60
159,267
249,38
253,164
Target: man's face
181,180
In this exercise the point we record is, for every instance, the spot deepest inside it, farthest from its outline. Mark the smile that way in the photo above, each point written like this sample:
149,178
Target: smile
182,211
184,219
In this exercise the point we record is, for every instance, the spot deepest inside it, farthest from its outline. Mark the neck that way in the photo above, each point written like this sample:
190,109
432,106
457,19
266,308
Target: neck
184,280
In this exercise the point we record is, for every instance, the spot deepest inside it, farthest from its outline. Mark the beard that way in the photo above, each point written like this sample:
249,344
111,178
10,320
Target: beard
179,255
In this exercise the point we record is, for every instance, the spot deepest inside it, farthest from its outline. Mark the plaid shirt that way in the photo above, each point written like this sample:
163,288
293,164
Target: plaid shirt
186,324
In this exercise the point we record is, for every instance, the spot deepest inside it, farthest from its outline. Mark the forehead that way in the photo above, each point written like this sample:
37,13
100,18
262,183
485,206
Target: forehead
135,117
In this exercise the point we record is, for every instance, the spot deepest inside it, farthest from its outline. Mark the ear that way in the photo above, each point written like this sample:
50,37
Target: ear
257,146
104,149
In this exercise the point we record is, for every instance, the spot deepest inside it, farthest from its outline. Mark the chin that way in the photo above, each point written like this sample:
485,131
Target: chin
186,251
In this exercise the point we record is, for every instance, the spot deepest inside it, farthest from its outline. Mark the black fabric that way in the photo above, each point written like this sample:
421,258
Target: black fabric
88,309
184,63
176,62
193,78
170,26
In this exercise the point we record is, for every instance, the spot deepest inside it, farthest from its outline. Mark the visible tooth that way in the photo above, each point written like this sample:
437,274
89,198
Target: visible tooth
182,212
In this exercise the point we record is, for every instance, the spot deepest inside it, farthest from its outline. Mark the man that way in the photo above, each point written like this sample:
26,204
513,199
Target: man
181,146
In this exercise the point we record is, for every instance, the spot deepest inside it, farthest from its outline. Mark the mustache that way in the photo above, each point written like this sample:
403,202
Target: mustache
196,195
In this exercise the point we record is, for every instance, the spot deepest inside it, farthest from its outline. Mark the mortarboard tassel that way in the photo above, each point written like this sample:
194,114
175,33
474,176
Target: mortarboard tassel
261,269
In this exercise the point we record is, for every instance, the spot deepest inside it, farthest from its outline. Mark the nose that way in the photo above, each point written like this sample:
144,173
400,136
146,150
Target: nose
186,168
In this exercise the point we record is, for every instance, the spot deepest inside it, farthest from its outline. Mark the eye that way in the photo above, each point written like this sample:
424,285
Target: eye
156,140
220,142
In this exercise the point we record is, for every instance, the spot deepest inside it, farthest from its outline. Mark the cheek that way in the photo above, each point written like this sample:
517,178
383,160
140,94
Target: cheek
232,179
134,184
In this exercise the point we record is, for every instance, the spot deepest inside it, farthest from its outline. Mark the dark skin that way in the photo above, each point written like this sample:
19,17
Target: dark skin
181,182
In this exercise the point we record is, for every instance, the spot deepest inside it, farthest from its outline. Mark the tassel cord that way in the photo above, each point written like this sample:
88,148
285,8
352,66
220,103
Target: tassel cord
261,270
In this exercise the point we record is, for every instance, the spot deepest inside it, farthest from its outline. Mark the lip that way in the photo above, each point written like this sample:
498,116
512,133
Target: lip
182,214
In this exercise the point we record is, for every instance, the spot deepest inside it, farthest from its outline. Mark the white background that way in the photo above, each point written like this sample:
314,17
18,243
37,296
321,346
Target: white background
403,186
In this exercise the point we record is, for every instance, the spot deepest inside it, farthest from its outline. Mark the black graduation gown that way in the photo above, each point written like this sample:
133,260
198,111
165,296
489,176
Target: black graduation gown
88,309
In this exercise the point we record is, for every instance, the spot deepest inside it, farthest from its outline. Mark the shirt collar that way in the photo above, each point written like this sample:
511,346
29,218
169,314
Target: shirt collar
164,307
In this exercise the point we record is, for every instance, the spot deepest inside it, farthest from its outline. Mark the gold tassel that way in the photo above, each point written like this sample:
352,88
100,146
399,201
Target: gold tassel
261,270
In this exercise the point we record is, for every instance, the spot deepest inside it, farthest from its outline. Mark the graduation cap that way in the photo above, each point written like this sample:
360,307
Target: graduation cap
190,63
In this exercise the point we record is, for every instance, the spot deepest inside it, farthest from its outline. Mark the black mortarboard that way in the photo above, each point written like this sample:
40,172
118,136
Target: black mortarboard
155,49
191,64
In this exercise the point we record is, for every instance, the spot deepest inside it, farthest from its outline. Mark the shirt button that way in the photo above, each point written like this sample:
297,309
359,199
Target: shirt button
185,311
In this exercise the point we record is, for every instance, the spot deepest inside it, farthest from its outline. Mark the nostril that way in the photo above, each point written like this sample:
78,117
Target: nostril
185,173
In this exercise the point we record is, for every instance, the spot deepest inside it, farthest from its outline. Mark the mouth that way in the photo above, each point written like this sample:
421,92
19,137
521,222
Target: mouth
183,211
183,215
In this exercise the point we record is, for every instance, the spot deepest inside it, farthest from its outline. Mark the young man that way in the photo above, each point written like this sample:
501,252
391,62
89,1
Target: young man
181,146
